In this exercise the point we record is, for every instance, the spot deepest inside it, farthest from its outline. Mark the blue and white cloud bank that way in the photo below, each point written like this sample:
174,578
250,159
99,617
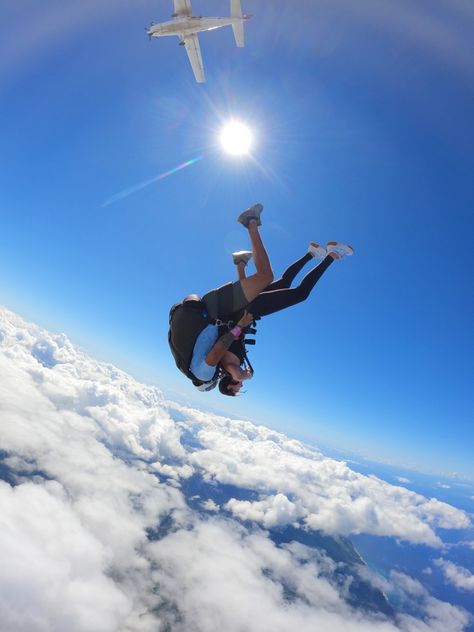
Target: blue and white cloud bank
99,530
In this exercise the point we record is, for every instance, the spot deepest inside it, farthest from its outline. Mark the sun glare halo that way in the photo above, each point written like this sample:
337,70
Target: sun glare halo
236,138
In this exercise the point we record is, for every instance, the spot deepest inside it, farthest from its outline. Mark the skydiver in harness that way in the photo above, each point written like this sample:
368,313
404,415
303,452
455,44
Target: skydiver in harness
207,334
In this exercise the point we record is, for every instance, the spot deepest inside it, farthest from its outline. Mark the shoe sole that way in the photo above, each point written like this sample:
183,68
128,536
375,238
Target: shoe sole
243,257
337,243
238,260
251,213
323,252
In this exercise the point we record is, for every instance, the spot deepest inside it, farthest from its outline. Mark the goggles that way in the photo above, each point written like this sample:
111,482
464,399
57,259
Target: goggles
208,386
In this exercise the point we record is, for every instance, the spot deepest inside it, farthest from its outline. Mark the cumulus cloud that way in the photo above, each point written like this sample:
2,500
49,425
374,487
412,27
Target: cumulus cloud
210,505
97,533
456,575
439,615
326,494
88,436
52,573
403,479
241,584
272,512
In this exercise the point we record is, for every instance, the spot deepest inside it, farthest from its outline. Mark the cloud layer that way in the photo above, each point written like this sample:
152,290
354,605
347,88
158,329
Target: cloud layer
97,533
299,483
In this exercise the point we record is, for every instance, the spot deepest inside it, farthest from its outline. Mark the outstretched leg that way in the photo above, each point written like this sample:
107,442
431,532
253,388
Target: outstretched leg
241,259
286,278
269,302
241,271
256,283
289,274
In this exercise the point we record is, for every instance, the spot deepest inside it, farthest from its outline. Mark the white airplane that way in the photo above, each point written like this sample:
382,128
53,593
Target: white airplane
186,26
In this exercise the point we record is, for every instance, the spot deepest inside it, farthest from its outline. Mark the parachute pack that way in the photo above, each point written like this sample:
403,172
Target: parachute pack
187,320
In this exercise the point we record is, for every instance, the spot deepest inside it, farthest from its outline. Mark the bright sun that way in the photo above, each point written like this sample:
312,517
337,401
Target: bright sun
236,138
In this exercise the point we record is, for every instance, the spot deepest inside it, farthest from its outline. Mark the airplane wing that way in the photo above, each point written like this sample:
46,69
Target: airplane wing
191,44
182,8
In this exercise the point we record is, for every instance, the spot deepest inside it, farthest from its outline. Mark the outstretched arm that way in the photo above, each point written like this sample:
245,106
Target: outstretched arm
218,351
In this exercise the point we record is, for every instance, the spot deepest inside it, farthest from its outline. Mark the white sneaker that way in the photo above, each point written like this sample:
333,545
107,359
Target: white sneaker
317,251
251,213
242,256
341,250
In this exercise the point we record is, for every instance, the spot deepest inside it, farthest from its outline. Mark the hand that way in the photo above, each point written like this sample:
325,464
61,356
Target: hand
245,320
248,375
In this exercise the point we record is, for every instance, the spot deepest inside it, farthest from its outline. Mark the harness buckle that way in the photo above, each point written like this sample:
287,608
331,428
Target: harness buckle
219,323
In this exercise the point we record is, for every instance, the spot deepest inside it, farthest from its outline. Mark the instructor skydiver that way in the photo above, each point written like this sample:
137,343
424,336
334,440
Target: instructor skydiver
205,332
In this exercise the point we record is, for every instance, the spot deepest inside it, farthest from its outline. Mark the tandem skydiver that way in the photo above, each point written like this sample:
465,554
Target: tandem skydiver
206,334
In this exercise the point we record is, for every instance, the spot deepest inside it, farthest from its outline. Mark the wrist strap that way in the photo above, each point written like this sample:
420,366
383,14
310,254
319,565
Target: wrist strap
236,331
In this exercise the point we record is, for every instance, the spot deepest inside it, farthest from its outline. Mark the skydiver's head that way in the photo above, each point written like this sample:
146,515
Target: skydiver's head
229,386
191,297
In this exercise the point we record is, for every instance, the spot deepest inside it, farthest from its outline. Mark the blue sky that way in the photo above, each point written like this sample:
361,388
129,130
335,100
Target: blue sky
364,134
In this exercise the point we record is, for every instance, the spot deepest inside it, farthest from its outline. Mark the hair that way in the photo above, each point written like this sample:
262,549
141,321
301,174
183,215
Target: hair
224,383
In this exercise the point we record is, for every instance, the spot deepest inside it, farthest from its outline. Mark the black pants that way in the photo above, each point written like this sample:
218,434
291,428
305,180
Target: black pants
279,295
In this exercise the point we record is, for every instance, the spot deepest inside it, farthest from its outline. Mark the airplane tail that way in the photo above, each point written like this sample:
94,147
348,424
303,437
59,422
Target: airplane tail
238,28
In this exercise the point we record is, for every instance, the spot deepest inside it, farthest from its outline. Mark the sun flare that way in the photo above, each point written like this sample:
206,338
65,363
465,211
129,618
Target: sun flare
236,138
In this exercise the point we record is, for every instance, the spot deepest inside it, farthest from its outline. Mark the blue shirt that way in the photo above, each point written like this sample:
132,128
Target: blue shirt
204,343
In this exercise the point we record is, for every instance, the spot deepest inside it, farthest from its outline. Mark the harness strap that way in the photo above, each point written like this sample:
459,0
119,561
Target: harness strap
252,329
247,361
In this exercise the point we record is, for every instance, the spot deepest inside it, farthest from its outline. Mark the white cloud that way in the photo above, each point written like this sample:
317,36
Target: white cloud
326,494
210,505
227,579
272,512
87,447
52,572
439,616
403,479
93,491
456,575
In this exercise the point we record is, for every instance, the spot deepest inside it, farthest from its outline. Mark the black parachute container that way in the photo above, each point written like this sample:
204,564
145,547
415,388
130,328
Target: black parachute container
187,320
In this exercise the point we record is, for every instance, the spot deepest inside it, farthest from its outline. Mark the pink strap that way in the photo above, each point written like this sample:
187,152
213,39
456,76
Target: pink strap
236,331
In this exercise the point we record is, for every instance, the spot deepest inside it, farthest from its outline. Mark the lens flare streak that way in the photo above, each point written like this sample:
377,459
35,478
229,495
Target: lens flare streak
142,185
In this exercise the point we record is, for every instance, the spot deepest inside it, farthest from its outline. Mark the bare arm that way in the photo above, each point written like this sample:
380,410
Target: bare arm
237,373
218,351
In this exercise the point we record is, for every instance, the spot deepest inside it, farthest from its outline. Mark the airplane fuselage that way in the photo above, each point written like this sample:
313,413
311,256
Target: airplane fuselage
191,25
187,26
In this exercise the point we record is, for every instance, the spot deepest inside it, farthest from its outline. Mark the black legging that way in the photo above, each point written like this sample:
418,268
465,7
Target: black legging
279,295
